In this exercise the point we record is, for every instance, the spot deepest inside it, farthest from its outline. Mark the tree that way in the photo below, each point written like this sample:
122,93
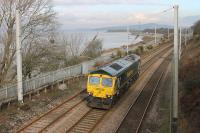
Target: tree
196,28
37,22
76,48
93,48
72,46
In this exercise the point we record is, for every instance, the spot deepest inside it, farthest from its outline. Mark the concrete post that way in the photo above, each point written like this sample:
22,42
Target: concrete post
168,33
128,40
155,36
175,73
185,37
19,59
180,43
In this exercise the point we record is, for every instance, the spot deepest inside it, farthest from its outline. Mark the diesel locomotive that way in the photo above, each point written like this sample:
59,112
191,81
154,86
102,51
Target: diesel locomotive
106,84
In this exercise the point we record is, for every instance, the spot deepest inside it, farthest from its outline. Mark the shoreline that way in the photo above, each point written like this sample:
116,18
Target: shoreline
146,40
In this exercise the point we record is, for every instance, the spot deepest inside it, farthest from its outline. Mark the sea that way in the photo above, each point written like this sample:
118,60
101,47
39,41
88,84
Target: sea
109,39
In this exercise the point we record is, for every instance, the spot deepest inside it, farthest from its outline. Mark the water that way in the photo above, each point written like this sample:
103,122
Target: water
110,39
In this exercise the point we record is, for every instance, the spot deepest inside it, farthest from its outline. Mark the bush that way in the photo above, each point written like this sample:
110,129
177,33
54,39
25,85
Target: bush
131,52
119,53
196,28
149,47
137,51
141,48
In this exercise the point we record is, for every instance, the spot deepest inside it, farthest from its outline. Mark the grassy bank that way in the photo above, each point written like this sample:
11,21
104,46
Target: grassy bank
190,88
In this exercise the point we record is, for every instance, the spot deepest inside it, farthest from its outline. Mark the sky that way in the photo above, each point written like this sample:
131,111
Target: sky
84,14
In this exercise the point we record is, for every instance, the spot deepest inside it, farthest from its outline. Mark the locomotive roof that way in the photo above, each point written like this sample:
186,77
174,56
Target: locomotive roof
118,66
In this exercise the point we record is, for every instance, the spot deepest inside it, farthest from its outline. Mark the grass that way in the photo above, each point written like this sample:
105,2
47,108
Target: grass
190,86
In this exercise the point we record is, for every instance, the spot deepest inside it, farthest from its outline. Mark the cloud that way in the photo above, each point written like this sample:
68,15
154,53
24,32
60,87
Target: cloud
70,19
73,14
105,2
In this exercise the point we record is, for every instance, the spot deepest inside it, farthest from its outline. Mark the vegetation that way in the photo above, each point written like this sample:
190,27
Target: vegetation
139,50
119,53
37,24
196,28
93,48
159,30
190,85
43,48
72,52
149,47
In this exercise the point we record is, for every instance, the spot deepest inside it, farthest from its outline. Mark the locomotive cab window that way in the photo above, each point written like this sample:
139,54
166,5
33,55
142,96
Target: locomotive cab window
94,80
107,82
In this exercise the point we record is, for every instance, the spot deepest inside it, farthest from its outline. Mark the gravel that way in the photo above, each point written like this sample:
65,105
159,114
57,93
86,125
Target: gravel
13,117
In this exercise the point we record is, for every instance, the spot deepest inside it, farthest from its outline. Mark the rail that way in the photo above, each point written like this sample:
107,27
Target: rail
9,92
61,110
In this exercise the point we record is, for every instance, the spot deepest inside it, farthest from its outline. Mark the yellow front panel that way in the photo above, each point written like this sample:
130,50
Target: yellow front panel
100,90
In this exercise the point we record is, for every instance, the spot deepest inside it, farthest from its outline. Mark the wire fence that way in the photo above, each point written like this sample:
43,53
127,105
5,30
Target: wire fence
10,91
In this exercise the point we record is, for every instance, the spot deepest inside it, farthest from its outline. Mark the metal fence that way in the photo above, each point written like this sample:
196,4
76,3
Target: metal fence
10,91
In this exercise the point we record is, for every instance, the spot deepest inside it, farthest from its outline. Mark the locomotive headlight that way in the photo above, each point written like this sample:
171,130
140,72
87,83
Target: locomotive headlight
108,96
90,93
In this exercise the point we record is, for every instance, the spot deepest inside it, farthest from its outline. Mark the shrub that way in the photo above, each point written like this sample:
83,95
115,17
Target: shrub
119,53
149,47
131,52
137,51
141,48
196,28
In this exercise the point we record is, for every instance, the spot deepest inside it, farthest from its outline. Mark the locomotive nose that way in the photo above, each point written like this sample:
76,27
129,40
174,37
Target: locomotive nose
99,92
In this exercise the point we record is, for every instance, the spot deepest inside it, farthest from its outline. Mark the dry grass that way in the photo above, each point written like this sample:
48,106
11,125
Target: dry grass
190,86
13,117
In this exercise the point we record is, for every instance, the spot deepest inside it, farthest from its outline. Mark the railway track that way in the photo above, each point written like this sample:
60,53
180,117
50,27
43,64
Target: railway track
94,116
88,122
42,122
153,51
139,108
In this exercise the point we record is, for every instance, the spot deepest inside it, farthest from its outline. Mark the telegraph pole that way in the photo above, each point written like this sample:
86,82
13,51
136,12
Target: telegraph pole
155,36
19,59
168,32
128,39
185,36
175,72
180,44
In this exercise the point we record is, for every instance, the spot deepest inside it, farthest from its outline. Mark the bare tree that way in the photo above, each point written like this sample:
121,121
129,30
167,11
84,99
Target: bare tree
72,45
93,48
37,21
77,48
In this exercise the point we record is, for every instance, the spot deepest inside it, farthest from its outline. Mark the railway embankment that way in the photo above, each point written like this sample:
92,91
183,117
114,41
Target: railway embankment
12,117
189,94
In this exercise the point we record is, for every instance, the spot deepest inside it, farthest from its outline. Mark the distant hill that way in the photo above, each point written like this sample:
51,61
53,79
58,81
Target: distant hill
135,27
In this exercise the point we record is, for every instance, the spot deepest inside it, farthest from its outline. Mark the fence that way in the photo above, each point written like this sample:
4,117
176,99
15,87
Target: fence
10,92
